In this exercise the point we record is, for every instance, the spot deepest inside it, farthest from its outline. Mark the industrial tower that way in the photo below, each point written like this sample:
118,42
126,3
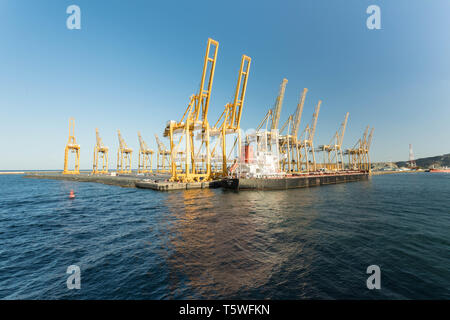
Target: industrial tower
123,156
73,147
145,161
100,152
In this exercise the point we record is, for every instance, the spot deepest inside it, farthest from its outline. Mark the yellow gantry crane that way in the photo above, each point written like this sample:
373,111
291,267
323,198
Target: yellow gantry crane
100,152
145,161
289,148
333,158
197,163
278,105
306,143
267,131
163,157
123,156
230,120
272,116
366,150
358,155
73,147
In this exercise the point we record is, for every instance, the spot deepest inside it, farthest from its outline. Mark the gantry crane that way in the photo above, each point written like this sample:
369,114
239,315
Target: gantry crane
267,131
163,157
145,160
278,105
230,120
289,149
100,152
197,163
272,116
73,147
366,152
333,158
306,143
356,154
123,156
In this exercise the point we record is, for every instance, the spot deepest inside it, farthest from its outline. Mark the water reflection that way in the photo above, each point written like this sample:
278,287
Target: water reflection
225,243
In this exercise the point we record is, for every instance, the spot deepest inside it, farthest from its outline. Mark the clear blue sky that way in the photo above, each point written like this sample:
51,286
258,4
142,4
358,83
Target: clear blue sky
133,65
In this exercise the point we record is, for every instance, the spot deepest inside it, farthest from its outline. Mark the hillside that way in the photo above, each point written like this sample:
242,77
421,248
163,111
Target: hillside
437,161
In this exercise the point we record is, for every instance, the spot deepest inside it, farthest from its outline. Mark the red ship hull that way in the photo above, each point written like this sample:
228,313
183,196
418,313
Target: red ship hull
440,170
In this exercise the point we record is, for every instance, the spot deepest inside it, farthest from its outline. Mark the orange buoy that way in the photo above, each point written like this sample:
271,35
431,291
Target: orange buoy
71,195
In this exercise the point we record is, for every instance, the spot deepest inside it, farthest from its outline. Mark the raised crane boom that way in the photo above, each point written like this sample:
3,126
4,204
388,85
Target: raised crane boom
123,156
145,159
122,144
98,139
100,155
142,143
364,140
369,140
342,133
161,146
239,96
278,105
200,102
314,122
231,116
298,113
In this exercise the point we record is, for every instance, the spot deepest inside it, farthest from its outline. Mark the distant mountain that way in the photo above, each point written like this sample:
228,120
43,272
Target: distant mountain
438,161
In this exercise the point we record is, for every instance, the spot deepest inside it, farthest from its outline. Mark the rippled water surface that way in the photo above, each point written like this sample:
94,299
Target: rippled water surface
311,243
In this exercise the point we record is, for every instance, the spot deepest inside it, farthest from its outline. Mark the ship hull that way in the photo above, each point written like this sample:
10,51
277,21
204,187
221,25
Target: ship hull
292,182
440,170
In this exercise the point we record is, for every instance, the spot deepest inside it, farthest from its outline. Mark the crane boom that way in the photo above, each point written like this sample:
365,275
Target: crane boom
161,146
314,123
344,125
278,105
369,142
363,143
98,139
122,143
298,113
204,94
142,143
239,95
